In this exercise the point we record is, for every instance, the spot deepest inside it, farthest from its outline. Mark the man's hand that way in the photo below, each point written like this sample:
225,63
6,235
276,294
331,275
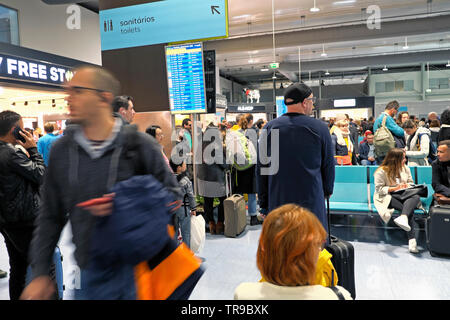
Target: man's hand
29,140
104,209
371,159
41,288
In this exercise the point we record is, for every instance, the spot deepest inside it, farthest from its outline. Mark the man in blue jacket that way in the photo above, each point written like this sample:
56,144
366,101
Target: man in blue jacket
45,143
305,174
399,134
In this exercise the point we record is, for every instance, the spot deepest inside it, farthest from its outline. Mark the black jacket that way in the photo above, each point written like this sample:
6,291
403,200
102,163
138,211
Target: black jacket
20,178
440,181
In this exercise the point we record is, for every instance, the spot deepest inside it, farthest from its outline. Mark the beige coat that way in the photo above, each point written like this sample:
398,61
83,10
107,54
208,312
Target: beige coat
381,197
269,291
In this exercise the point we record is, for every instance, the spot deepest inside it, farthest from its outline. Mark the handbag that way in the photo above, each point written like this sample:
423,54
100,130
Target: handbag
441,199
197,233
419,189
344,160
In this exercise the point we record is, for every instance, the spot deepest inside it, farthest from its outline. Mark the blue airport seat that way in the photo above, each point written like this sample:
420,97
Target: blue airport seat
350,190
351,193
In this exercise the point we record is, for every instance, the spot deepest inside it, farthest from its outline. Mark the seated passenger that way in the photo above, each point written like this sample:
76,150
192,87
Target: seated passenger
393,175
289,246
440,181
342,144
418,144
367,152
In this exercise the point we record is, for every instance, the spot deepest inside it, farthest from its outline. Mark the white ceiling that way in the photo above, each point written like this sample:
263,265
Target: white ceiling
252,18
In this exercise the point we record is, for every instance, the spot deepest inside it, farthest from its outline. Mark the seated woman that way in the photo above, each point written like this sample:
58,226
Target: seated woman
291,240
342,144
393,175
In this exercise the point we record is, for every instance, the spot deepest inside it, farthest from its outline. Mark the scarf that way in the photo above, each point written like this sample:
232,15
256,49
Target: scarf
341,141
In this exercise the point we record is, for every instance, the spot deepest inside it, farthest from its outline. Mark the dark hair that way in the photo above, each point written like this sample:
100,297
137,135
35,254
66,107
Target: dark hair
259,123
8,119
409,124
185,122
435,124
121,102
49,128
392,105
445,116
174,165
249,117
152,130
445,142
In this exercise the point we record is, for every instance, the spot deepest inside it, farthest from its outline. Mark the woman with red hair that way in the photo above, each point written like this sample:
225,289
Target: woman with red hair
291,240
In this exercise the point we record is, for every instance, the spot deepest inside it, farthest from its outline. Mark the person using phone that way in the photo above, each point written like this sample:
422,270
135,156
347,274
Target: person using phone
393,175
21,175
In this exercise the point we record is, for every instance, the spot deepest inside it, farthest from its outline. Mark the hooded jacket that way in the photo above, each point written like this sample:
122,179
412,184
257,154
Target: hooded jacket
418,155
77,173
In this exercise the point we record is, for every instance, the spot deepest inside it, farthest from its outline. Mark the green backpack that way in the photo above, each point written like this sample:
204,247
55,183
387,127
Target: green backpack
383,140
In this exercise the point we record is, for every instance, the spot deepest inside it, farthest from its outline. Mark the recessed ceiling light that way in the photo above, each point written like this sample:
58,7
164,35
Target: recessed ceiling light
264,69
448,64
385,68
327,73
314,9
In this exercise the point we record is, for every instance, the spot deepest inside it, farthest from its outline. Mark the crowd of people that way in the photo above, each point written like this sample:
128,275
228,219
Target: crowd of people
43,182
353,140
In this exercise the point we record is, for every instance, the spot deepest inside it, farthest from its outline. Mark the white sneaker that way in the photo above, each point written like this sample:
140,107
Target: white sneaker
402,222
412,244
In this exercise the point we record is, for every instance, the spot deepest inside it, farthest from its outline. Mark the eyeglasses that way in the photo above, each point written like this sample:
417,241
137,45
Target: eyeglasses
313,99
78,89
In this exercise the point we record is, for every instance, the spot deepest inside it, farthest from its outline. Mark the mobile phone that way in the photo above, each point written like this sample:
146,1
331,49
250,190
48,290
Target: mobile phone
93,202
17,135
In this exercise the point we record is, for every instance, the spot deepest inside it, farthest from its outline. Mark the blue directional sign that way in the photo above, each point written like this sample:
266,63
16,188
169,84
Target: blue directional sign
185,78
165,21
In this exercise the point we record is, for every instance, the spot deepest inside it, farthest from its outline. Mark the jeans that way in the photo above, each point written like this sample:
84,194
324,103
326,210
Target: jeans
252,204
17,240
183,221
116,282
407,208
368,163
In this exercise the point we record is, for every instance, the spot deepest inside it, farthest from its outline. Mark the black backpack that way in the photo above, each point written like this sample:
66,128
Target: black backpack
432,154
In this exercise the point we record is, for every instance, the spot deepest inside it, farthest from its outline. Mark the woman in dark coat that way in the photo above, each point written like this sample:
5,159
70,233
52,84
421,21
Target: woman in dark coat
211,178
244,181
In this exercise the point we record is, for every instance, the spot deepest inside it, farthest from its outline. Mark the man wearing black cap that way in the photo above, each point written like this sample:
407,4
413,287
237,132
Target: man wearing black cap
305,172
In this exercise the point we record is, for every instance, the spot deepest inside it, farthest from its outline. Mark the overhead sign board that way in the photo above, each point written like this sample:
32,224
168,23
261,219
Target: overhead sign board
185,78
166,21
17,68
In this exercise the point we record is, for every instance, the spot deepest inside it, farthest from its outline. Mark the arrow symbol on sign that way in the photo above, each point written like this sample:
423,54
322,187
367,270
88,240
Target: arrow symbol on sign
214,8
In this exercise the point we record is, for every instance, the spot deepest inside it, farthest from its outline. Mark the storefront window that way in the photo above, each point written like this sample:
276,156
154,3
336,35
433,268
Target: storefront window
9,25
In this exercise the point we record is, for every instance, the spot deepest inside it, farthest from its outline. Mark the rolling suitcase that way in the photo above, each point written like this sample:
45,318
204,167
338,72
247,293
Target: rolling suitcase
343,258
437,229
56,274
235,212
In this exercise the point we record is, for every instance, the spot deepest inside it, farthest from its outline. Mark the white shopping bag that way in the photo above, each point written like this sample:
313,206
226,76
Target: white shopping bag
197,233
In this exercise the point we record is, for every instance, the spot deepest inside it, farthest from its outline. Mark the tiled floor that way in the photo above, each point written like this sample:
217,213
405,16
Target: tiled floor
384,269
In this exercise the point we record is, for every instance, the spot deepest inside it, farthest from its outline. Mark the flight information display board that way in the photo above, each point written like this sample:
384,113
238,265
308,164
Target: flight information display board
185,78
281,107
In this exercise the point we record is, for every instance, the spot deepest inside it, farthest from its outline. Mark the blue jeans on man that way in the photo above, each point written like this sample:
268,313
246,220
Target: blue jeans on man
369,163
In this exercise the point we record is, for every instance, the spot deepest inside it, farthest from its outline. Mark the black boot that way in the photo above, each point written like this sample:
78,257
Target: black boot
254,221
